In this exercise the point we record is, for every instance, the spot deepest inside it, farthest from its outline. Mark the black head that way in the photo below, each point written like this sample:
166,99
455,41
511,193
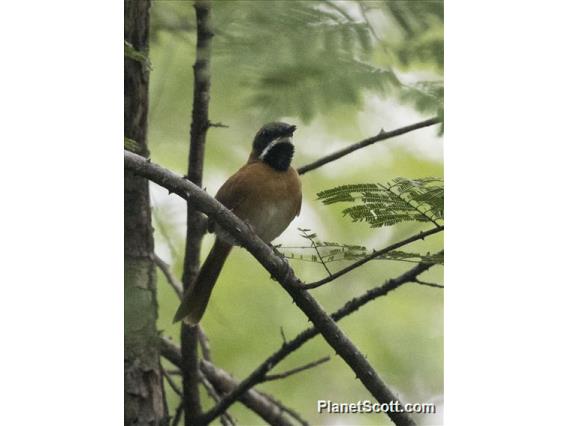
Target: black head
273,145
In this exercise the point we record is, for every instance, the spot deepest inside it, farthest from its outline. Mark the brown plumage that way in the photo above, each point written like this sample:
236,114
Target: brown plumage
261,194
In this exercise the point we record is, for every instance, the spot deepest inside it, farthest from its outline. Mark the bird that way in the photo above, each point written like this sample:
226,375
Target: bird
266,193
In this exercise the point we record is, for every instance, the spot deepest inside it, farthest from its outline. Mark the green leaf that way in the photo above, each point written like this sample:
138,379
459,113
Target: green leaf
400,200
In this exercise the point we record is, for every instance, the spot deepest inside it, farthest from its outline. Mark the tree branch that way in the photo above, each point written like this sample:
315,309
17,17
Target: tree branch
257,376
224,383
195,220
292,413
420,236
256,402
366,142
170,278
281,271
417,281
270,377
226,418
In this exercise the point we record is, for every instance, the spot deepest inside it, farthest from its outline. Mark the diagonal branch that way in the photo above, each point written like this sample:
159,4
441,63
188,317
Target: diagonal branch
420,236
224,383
281,271
292,413
258,375
435,285
170,278
226,418
265,408
270,377
366,142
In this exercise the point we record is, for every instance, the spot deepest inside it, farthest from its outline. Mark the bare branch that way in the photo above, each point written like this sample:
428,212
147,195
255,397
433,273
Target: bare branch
252,399
282,272
226,418
204,343
420,236
170,278
177,416
305,234
417,281
366,142
288,373
292,413
195,220
162,228
172,383
223,383
221,125
284,341
257,376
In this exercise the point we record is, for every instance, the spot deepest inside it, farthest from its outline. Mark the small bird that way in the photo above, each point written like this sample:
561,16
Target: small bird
265,193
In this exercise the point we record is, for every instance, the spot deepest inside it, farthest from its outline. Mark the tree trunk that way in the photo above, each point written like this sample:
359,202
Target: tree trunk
144,401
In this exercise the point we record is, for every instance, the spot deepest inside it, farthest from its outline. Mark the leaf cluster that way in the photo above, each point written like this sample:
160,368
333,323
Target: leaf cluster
400,200
334,252
305,57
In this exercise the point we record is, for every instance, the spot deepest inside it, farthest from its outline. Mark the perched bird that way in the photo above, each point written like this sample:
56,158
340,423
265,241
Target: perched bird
265,193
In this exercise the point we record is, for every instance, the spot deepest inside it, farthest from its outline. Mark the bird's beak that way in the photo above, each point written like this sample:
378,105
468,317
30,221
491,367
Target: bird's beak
292,129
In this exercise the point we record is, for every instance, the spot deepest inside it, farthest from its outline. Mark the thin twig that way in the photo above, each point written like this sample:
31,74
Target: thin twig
223,383
221,125
226,418
177,416
420,236
366,142
172,383
282,272
204,343
321,259
170,278
288,373
162,228
291,412
284,341
417,281
315,247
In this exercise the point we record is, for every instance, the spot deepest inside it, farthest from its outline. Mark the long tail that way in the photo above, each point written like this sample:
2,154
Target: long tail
195,298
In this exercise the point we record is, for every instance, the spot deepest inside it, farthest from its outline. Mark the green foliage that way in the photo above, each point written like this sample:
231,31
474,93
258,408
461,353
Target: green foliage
426,97
398,201
300,58
334,252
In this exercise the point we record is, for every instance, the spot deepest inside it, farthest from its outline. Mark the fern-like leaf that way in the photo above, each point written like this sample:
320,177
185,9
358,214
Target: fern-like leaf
401,200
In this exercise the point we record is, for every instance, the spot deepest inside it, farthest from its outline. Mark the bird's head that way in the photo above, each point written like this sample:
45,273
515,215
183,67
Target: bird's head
273,145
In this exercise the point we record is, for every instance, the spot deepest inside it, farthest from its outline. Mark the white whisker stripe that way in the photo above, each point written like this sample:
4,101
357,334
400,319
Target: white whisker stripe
281,139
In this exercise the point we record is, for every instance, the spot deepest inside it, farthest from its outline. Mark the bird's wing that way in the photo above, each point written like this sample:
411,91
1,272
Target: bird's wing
236,190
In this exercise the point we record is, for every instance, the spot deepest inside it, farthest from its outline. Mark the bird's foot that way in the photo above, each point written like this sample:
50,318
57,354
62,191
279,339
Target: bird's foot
277,253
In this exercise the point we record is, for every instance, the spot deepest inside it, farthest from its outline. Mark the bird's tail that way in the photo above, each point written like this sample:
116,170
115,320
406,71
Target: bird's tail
195,298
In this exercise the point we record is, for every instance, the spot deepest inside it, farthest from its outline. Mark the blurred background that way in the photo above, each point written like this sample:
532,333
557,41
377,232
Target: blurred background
341,71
